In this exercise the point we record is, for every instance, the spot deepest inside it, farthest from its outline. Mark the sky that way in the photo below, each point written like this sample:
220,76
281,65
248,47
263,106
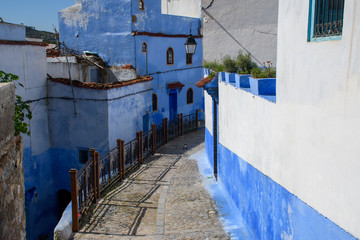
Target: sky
41,14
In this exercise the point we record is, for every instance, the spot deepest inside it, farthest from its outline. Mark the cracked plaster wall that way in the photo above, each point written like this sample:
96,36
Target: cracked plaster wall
253,23
99,26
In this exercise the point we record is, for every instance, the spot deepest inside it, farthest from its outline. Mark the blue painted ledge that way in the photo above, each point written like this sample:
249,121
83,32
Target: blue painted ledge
229,78
242,81
263,86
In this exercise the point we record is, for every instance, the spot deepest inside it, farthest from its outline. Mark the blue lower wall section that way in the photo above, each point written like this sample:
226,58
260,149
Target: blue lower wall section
209,147
45,175
269,210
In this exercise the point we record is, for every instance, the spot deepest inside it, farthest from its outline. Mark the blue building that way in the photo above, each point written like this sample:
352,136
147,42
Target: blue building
151,39
68,119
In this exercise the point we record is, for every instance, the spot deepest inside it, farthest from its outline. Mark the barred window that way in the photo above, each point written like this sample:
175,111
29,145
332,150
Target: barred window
83,156
326,18
144,47
189,58
170,56
154,102
189,96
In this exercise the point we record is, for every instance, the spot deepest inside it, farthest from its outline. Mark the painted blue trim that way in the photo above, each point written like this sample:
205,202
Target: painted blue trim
268,209
322,39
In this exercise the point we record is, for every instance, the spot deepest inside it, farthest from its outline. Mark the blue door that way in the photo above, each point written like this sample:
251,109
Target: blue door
173,104
146,123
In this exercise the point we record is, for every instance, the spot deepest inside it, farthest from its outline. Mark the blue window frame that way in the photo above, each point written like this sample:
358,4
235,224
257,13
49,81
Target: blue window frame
325,20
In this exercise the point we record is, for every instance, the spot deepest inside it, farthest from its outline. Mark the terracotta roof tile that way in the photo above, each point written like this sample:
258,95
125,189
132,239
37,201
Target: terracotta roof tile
175,85
102,86
204,81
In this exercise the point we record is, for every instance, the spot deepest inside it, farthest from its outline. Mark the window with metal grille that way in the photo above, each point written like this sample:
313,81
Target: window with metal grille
189,96
83,156
189,58
170,56
326,18
154,102
144,47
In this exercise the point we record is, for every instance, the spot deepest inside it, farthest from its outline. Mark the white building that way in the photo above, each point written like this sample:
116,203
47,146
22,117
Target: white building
230,25
292,167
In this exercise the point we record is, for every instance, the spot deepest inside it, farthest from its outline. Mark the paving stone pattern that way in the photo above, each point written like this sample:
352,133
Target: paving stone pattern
163,199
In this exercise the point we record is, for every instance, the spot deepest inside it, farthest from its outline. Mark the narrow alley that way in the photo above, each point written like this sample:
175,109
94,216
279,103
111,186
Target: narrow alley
163,199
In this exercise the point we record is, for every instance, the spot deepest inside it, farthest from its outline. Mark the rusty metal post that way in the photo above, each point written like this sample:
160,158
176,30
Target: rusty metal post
141,147
165,130
138,144
197,119
182,123
179,124
92,155
153,130
74,200
122,159
118,142
97,175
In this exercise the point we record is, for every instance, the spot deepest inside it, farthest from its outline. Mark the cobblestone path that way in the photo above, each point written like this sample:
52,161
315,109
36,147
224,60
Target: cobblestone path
163,199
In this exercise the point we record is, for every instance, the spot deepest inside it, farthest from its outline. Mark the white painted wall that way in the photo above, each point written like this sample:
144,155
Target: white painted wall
186,8
61,70
81,72
251,22
29,63
12,32
208,112
308,141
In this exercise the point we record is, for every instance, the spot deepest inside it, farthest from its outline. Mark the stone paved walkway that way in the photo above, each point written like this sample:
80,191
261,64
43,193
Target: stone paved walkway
163,199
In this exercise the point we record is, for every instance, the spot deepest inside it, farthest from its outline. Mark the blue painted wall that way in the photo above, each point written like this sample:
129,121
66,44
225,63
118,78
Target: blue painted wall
57,136
164,74
151,20
126,109
269,210
100,26
101,31
102,116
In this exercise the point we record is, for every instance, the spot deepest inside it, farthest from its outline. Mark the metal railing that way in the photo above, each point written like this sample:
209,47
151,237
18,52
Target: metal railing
190,122
99,171
109,165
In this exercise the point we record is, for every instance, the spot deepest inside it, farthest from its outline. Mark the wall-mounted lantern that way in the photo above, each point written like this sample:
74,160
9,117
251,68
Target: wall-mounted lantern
190,44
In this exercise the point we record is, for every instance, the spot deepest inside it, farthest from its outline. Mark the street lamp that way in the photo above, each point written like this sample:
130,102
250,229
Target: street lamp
190,44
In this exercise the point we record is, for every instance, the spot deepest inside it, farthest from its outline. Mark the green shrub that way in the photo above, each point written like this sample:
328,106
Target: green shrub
244,63
214,65
22,109
212,74
229,64
268,72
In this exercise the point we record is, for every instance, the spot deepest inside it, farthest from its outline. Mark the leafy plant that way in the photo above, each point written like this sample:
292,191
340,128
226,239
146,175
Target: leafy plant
244,63
212,74
266,72
22,109
229,64
214,65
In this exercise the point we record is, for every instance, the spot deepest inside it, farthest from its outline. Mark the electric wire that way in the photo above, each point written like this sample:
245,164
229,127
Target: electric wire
226,31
